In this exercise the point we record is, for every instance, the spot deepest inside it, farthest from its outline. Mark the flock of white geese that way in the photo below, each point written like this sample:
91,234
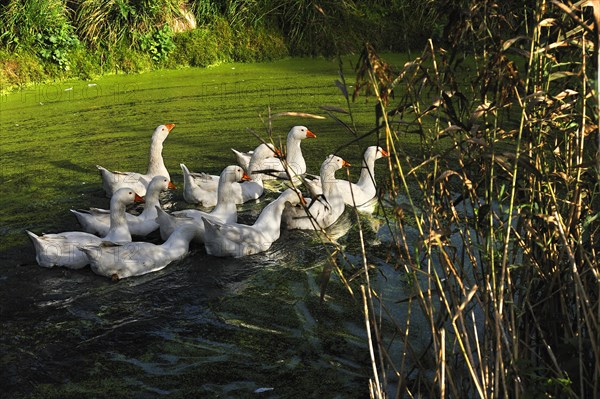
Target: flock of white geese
106,242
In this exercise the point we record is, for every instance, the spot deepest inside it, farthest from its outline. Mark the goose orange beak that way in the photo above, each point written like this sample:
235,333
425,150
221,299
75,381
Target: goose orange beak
170,126
303,201
138,199
278,153
245,177
310,135
385,153
345,163
171,186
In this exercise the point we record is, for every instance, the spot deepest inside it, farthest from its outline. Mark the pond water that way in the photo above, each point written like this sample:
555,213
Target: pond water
203,326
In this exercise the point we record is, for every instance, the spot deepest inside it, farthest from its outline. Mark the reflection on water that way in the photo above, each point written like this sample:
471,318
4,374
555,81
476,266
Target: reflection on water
202,327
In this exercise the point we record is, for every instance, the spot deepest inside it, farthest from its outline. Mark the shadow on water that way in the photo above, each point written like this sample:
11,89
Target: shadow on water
202,327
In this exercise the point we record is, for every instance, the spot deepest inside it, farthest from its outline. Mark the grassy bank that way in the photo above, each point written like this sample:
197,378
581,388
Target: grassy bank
209,45
46,40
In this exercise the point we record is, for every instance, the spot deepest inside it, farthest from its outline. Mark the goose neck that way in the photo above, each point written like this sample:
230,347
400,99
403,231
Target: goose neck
294,154
118,231
367,174
225,197
156,164
151,200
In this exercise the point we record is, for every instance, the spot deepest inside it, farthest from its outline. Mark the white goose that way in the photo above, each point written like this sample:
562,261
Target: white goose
97,221
364,190
62,249
112,181
136,258
202,188
324,213
294,157
234,239
225,211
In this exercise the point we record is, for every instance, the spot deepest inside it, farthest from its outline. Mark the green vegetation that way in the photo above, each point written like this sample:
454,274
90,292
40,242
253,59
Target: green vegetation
43,40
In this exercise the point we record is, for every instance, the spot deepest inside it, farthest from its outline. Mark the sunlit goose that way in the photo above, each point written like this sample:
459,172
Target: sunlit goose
364,190
294,157
97,221
359,193
112,181
234,239
201,188
136,258
324,212
62,249
225,210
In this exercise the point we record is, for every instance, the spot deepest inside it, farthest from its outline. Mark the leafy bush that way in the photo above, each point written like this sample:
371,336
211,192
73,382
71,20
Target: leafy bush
40,26
107,23
56,44
220,42
198,47
207,11
258,44
158,43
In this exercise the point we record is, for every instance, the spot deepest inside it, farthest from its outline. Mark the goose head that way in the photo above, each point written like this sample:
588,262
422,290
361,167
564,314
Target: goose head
375,152
162,131
301,133
160,183
126,196
381,153
232,174
330,165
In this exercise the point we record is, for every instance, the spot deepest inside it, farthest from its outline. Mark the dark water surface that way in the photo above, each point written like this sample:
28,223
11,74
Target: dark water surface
202,327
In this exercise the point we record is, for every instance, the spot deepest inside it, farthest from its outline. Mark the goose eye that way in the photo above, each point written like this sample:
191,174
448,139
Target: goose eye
130,193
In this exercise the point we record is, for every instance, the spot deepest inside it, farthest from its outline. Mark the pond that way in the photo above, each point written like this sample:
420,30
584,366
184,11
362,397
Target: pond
203,326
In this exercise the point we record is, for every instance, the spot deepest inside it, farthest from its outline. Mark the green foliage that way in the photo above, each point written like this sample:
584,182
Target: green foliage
124,59
62,33
24,20
39,26
198,48
329,27
258,44
108,23
56,44
220,42
207,11
158,44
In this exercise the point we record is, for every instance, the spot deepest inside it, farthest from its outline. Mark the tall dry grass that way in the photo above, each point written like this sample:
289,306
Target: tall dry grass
497,225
